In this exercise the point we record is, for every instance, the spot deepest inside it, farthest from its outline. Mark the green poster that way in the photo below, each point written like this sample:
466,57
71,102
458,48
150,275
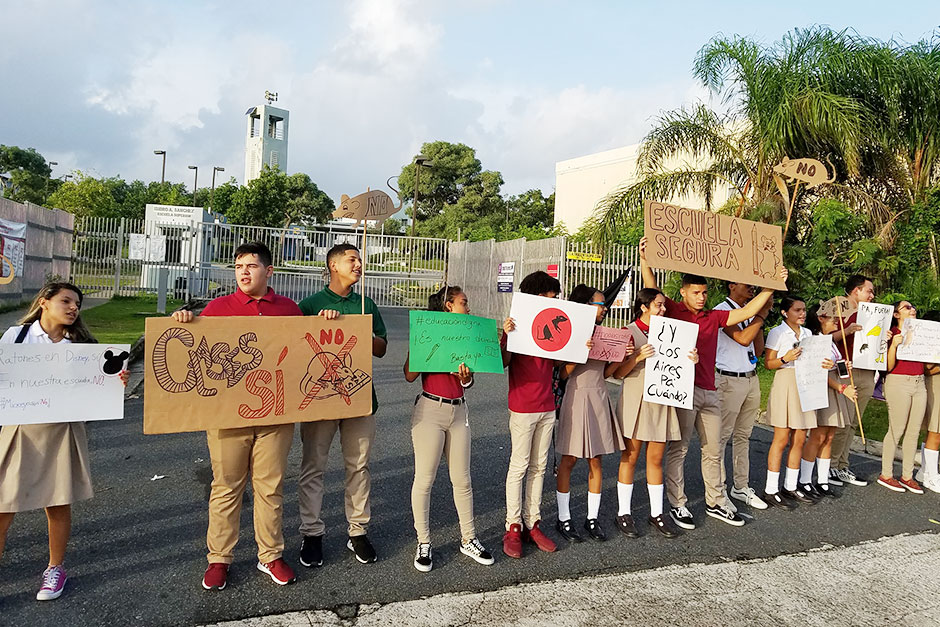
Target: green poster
440,342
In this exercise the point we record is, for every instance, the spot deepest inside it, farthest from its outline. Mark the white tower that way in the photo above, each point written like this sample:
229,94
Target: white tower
266,138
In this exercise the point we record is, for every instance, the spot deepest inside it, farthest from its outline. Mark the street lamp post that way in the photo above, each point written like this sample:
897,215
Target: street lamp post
420,161
212,191
163,169
195,169
46,192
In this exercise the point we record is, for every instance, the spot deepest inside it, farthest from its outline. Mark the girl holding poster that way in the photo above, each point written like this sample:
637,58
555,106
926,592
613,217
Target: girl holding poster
440,424
818,449
586,429
784,411
906,396
45,466
644,423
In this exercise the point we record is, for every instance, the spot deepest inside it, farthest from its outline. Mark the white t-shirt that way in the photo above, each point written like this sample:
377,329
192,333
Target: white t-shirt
731,356
782,338
36,335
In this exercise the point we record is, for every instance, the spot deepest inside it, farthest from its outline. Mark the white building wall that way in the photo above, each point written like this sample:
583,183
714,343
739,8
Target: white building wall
266,137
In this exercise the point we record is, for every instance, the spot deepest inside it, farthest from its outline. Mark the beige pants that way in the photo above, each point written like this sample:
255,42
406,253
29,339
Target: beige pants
842,440
438,428
355,437
705,417
907,402
237,453
740,404
531,435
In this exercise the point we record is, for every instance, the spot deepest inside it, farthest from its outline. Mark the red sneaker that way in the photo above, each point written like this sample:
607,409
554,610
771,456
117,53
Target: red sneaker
911,486
215,576
891,483
280,572
512,541
540,539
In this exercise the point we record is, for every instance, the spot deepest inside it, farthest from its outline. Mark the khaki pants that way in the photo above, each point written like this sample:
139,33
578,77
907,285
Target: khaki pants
237,453
705,417
438,428
907,403
842,440
355,437
740,402
531,435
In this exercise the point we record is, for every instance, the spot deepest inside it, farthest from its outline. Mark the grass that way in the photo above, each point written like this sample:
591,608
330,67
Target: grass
121,320
875,419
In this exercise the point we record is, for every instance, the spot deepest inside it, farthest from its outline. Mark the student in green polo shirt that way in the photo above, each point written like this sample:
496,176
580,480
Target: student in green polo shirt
356,434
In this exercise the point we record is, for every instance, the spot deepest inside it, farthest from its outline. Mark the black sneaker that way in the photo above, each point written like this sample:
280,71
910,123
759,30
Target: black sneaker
777,500
594,529
363,549
798,495
311,551
626,526
809,490
724,515
423,558
834,478
664,526
826,490
565,528
477,552
682,517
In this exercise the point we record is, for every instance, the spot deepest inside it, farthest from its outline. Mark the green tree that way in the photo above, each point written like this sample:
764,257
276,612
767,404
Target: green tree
307,203
86,196
25,174
262,201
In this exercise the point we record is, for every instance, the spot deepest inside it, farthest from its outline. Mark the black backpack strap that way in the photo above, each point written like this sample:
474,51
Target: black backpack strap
21,336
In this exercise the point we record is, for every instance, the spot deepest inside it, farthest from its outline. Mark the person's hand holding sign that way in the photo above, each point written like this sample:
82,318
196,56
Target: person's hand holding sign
329,314
509,325
646,351
463,373
183,315
792,355
693,356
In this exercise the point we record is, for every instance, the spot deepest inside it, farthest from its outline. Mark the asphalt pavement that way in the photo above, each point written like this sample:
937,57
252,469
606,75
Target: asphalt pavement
138,548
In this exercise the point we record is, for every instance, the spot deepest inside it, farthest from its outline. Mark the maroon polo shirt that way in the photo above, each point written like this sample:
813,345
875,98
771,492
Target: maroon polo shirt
443,384
530,383
710,323
902,366
241,304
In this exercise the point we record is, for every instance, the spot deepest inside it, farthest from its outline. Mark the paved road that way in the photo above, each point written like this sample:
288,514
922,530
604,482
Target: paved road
138,549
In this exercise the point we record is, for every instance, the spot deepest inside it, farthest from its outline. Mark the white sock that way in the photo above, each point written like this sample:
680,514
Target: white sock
789,480
563,512
656,499
624,496
773,482
594,504
806,471
822,470
929,460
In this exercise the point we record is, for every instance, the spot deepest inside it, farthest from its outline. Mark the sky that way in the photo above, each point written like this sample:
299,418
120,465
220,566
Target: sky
99,85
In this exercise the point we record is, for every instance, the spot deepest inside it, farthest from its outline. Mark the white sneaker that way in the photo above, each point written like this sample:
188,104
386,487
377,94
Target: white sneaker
847,476
932,483
682,517
749,497
474,550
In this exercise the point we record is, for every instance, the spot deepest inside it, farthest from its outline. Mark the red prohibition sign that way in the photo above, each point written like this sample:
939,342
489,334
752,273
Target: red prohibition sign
551,329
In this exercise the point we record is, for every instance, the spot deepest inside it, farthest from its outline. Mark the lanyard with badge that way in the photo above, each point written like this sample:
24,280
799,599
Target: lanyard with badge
751,357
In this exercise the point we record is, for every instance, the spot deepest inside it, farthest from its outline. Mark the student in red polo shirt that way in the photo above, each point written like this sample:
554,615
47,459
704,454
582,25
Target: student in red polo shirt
531,421
256,452
705,414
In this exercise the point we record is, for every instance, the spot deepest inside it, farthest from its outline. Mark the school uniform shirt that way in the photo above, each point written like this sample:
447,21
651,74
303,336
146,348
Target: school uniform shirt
530,383
241,304
710,323
782,338
902,366
42,465
443,384
349,304
731,356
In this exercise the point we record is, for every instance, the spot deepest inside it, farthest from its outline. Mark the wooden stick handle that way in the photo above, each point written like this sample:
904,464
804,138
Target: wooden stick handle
845,346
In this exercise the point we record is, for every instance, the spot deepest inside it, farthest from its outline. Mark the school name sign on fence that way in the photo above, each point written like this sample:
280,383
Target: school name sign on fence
43,383
241,371
713,245
440,341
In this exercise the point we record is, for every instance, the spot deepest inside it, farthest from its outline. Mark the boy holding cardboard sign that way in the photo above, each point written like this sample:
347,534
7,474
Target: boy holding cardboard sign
705,414
356,434
258,452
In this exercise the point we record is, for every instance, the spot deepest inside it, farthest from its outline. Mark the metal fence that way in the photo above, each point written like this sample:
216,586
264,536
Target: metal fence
116,256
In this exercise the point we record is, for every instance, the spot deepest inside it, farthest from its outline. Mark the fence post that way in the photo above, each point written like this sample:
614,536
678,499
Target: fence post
163,279
117,260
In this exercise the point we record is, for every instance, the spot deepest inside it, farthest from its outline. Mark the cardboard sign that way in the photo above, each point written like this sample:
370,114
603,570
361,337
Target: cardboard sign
870,351
241,371
551,328
713,245
811,377
371,206
610,344
809,171
43,383
439,342
670,374
921,341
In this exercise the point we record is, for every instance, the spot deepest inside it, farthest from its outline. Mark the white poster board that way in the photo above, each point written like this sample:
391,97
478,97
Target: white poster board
871,343
551,328
921,341
670,374
811,377
42,383
624,298
146,247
